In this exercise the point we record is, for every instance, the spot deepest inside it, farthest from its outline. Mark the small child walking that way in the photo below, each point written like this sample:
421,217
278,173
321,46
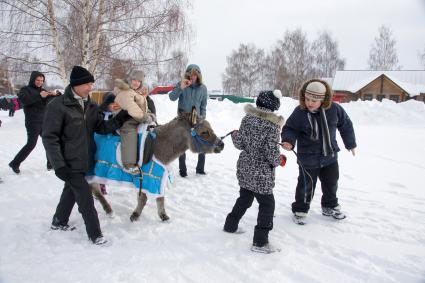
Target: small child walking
258,138
137,108
312,126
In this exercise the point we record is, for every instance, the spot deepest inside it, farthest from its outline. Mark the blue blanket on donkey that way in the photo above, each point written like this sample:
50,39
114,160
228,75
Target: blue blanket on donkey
108,166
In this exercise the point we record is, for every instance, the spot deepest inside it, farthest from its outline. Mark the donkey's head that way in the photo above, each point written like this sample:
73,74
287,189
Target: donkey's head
203,139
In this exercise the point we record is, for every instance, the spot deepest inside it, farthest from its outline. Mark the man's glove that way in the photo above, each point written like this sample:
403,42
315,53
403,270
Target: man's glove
64,173
282,160
122,116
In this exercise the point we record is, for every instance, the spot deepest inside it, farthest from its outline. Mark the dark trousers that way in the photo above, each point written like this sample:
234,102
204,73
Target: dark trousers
11,112
199,167
33,132
77,190
264,218
328,177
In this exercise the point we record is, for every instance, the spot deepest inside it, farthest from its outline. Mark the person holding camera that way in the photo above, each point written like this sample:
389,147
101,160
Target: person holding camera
34,99
191,92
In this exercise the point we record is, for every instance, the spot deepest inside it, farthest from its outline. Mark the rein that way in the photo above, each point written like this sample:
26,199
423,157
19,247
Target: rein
305,175
226,135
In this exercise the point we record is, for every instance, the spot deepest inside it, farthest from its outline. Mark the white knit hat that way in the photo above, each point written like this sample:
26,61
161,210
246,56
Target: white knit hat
315,91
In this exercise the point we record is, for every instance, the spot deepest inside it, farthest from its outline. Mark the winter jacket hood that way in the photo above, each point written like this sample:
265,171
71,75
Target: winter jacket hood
326,104
130,100
34,75
194,69
264,115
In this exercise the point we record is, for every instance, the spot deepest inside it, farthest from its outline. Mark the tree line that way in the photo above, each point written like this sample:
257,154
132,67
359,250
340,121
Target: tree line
293,59
111,37
101,35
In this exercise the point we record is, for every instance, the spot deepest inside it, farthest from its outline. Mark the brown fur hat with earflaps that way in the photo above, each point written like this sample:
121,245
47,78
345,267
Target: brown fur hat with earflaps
328,94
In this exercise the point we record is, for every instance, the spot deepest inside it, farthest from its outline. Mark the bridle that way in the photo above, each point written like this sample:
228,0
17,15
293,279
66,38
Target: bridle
198,141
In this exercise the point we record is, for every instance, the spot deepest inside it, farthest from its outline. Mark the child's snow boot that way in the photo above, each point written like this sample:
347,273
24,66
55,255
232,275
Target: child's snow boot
265,249
299,218
334,212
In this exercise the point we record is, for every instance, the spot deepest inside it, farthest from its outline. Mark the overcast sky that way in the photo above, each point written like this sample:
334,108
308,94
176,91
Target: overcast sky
221,25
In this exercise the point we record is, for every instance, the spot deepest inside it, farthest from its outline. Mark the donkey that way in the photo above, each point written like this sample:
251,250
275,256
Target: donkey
186,131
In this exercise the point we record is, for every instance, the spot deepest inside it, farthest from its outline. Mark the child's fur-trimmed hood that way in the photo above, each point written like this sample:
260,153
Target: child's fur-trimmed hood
328,95
265,115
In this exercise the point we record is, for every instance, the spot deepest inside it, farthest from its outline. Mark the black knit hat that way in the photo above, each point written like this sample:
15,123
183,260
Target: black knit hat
269,99
108,98
79,76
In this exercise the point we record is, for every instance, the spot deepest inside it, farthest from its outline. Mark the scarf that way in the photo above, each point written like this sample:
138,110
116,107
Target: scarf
81,101
324,129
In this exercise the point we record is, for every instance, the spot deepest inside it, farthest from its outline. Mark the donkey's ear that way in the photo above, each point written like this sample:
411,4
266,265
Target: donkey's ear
193,116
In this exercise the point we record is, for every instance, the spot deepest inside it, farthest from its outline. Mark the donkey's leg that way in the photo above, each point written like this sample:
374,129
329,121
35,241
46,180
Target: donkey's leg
141,202
160,204
95,188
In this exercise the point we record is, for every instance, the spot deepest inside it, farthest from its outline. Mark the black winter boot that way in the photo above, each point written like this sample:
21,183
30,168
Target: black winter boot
14,168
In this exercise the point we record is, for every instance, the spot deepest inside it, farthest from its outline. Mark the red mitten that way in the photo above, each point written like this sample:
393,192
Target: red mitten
234,132
282,160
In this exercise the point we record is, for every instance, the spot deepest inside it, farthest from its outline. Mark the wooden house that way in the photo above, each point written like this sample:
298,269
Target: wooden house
367,85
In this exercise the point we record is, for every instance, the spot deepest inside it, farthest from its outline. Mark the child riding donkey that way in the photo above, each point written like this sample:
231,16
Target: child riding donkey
137,108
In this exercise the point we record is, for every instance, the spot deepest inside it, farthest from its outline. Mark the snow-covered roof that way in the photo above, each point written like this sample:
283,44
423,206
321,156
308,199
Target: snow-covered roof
328,80
411,81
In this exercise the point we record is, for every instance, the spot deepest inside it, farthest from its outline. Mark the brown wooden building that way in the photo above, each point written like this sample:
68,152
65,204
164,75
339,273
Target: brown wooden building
367,85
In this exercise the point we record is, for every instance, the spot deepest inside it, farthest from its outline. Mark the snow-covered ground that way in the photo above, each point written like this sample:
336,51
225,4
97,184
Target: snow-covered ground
381,189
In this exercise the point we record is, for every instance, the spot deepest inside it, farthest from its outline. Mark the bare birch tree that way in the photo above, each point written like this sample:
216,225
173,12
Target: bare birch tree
170,71
91,33
173,70
326,56
244,71
294,61
19,71
276,69
383,53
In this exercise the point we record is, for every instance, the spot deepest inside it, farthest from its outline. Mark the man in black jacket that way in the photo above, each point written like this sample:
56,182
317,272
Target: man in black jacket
34,99
69,125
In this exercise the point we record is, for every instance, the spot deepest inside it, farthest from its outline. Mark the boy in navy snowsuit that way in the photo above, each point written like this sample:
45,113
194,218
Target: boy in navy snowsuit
312,125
